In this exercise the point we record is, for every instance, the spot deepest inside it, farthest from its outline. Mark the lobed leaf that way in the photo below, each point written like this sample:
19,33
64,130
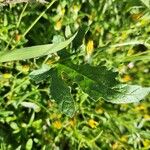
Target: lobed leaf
60,92
34,51
99,82
96,81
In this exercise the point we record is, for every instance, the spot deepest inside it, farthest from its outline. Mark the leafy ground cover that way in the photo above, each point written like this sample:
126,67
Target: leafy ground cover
67,98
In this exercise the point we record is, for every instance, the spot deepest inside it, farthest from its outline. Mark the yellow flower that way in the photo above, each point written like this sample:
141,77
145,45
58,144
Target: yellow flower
89,50
76,8
72,122
137,16
17,37
124,35
124,138
49,62
58,25
90,47
25,68
115,146
92,123
55,116
146,143
140,107
57,124
7,75
99,111
126,78
147,117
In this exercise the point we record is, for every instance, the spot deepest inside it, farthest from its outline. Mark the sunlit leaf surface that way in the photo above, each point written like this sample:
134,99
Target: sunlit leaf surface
60,92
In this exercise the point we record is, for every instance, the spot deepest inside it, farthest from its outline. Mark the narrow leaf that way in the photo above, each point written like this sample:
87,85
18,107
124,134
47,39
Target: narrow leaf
5,113
146,3
143,56
34,51
60,92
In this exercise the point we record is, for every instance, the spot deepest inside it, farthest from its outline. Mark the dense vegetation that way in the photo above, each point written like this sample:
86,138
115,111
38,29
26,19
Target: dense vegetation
74,75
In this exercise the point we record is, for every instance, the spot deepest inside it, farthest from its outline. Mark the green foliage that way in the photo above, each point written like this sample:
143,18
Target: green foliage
40,74
61,93
96,81
78,93
146,3
99,82
34,51
128,94
29,144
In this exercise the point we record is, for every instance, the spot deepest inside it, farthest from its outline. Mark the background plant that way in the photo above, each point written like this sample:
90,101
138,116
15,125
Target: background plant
108,41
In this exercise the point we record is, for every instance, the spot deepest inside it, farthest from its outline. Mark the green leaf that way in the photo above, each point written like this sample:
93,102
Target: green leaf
128,94
29,144
40,74
34,51
145,134
61,93
137,57
146,3
57,39
78,40
96,81
37,124
67,31
5,113
18,148
34,106
14,126
99,82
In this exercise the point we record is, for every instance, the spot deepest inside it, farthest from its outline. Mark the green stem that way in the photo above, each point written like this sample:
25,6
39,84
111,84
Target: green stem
21,15
35,21
38,18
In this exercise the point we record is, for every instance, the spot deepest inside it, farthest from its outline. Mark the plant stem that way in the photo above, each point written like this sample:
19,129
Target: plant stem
36,20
